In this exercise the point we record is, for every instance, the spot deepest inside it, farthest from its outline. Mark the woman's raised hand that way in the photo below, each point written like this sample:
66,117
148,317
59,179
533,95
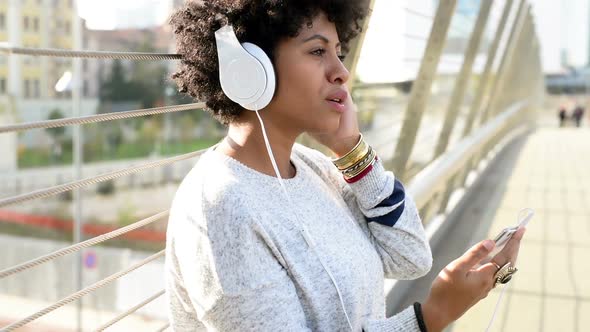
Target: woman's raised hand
346,136
464,282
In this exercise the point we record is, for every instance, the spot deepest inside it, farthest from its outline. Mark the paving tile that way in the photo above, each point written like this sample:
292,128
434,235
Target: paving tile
523,313
559,314
556,198
534,234
574,200
535,200
581,271
478,317
583,316
530,269
555,228
579,230
514,200
557,275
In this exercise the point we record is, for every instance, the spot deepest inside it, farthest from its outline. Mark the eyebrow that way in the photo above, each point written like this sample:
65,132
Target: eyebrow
318,36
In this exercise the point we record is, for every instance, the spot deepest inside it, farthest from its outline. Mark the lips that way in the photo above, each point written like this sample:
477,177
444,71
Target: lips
338,97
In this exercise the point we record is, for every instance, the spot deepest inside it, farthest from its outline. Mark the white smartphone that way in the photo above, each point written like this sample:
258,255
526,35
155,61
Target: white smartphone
524,216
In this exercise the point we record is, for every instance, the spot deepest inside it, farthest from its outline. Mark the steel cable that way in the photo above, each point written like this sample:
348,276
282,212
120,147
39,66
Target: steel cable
76,247
130,311
53,52
99,117
51,191
79,294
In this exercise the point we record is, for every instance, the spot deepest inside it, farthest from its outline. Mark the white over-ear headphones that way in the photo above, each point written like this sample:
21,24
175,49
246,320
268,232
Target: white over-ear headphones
246,73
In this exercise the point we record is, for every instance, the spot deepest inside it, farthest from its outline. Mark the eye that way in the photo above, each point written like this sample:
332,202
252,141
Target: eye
319,52
342,57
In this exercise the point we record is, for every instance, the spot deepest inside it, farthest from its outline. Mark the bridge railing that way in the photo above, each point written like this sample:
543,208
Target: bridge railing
436,131
455,145
419,136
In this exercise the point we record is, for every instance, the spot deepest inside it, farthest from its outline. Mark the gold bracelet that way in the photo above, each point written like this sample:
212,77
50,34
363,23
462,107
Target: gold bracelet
360,150
369,162
361,165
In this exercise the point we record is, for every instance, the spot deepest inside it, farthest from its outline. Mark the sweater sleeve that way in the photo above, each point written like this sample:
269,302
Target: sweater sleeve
404,321
386,214
394,224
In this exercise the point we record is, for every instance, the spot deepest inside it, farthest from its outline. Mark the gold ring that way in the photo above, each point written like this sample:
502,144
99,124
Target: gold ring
504,275
496,265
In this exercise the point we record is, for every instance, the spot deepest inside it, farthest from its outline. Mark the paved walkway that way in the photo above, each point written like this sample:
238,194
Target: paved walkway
551,292
549,171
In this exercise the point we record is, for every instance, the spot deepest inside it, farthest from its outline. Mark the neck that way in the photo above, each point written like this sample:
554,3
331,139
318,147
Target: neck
245,143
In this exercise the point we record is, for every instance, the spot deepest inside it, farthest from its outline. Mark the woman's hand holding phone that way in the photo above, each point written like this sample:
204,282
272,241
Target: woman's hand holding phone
524,216
468,279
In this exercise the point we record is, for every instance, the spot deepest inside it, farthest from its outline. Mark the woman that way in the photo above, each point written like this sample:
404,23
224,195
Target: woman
246,251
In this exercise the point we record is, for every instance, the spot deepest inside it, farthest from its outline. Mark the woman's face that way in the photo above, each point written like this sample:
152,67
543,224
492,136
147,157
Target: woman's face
310,74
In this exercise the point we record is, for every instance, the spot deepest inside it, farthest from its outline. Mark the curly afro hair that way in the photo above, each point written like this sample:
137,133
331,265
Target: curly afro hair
262,22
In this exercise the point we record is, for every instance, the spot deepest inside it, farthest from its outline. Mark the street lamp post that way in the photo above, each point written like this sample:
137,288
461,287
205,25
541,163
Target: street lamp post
78,151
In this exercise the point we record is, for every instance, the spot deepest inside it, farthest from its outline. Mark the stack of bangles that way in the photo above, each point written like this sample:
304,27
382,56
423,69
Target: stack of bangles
357,163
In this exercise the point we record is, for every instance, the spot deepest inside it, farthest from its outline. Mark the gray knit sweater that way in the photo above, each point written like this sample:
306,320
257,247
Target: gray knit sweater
236,260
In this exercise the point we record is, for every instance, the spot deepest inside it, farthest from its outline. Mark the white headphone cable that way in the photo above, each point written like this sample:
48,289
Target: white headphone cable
306,235
522,222
496,308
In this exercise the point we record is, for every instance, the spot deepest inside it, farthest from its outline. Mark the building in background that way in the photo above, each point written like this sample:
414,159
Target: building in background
154,39
27,83
563,30
39,24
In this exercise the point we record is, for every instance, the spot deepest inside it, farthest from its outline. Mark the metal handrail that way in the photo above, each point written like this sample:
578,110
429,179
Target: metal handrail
434,177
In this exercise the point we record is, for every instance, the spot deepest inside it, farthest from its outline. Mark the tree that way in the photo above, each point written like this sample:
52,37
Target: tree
57,133
149,76
117,88
147,84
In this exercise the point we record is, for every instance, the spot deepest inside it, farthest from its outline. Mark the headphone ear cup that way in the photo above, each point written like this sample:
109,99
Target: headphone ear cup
241,75
246,73
269,90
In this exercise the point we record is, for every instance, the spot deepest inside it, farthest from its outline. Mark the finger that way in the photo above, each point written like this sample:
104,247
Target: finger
519,233
486,275
481,279
473,256
486,271
510,252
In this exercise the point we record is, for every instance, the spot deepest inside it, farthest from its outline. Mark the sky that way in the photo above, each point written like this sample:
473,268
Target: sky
382,54
560,25
112,14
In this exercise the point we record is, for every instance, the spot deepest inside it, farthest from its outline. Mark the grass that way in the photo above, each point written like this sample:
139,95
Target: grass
42,157
180,148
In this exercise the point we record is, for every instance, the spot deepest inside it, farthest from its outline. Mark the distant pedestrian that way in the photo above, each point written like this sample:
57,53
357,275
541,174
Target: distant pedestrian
562,113
577,114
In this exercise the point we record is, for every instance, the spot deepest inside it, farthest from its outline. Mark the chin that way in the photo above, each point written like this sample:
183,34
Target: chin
325,127
322,121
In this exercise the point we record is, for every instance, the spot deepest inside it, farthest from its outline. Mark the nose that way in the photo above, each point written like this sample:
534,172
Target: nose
338,73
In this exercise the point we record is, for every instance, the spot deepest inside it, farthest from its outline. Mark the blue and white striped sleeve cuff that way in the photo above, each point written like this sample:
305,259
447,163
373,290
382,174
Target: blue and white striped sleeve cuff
391,208
380,196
